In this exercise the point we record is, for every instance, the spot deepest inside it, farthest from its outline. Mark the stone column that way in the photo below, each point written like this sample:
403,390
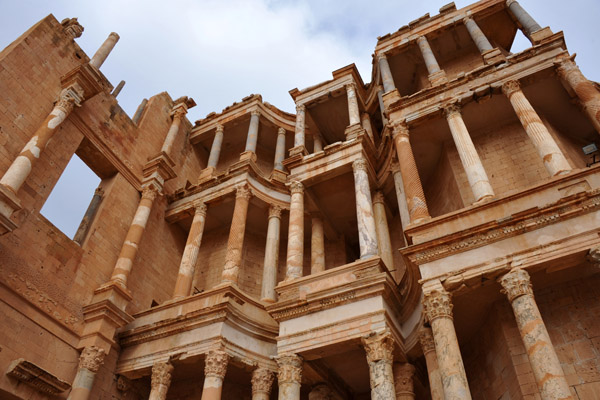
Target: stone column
553,158
299,140
400,196
584,89
433,372
481,41
271,262
415,198
104,50
279,150
366,124
215,149
438,309
215,367
386,73
252,138
404,381
317,245
478,179
183,286
547,371
528,24
381,105
353,110
90,360
161,380
289,376
367,233
262,382
295,249
383,231
90,213
436,74
317,143
134,236
235,243
379,348
178,113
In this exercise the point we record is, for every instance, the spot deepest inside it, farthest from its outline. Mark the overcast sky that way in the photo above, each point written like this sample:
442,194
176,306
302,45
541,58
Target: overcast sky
219,51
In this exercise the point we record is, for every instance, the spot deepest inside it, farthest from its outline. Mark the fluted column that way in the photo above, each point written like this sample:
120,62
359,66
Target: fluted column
178,113
433,371
215,368
436,74
252,138
367,233
400,196
129,250
295,249
415,198
289,376
528,24
262,382
104,50
585,89
271,262
353,110
383,231
404,374
386,73
366,124
279,150
161,380
545,365
438,309
235,243
215,149
380,348
299,137
476,175
553,158
317,245
183,286
90,360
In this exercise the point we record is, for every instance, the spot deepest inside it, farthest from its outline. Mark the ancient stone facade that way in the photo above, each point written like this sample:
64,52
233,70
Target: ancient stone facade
433,234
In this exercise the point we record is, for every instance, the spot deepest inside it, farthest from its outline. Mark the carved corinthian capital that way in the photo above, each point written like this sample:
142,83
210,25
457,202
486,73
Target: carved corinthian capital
69,97
426,339
161,374
91,358
290,368
594,256
379,346
516,284
566,66
72,27
243,192
150,192
404,378
215,363
274,212
359,165
510,87
296,187
451,109
399,127
200,207
262,380
438,304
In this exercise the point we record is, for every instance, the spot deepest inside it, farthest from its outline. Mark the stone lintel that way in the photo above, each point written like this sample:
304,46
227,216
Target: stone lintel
36,377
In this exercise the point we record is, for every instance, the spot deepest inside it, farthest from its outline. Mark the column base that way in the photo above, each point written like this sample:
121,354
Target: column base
9,204
537,36
353,131
494,56
248,155
206,175
438,78
298,150
484,199
278,176
391,98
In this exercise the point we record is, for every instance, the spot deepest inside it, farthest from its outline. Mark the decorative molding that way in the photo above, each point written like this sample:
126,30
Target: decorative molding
516,284
36,377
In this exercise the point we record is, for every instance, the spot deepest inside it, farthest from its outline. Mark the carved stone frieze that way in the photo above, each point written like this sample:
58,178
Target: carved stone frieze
36,377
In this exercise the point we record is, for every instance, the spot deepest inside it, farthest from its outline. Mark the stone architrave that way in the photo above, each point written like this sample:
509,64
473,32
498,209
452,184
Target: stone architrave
433,371
367,232
379,347
404,381
90,360
215,368
262,383
289,376
235,243
295,249
161,380
271,262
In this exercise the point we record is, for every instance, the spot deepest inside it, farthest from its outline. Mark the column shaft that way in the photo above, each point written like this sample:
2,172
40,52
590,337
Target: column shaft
433,371
545,365
386,74
104,50
90,361
299,139
183,286
383,231
401,197
235,243
553,158
289,376
353,110
317,143
478,179
481,41
295,249
379,348
262,381
436,74
367,233
317,245
366,124
178,114
527,22
271,262
161,380
252,138
215,149
381,105
404,381
215,368
279,150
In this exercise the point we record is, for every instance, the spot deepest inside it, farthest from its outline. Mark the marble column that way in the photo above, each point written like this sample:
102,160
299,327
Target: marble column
438,309
353,110
252,138
476,175
436,74
289,376
404,374
381,104
271,262
380,348
161,380
545,365
367,233
383,231
415,198
178,113
187,267
262,382
299,137
317,143
481,41
295,248
279,150
129,250
585,89
215,367
235,243
366,124
400,196
553,158
317,245
90,360
528,24
386,73
215,149
104,50
433,371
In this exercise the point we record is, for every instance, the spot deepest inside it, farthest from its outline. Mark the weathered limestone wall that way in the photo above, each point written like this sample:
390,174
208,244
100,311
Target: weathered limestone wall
440,202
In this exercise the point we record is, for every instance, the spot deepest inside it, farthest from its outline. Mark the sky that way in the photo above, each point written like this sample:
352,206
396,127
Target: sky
219,51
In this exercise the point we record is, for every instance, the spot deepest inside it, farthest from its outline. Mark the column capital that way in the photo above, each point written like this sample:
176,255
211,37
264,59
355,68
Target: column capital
351,87
243,191
281,131
510,87
566,65
200,207
179,111
215,363
515,284
72,27
593,255
380,56
379,346
421,40
149,192
399,127
296,187
161,375
438,304
262,380
274,211
220,128
451,110
300,108
426,340
255,112
395,167
91,358
378,197
290,368
468,18
70,97
379,88
404,378
359,164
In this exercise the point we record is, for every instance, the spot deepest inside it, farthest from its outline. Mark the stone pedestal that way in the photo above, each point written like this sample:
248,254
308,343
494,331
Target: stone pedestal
367,233
271,256
215,368
161,380
235,243
289,376
317,245
104,50
90,360
379,348
404,381
262,382
295,249
433,372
